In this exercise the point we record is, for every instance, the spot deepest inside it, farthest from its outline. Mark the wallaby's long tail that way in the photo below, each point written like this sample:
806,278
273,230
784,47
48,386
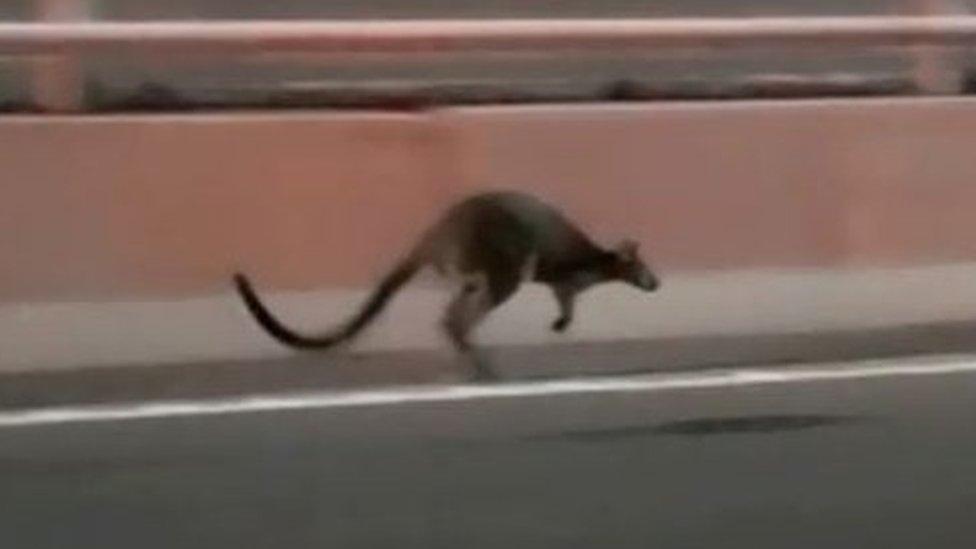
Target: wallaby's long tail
387,287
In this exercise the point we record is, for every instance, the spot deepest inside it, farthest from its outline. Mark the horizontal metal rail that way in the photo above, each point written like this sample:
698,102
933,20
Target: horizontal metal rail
425,36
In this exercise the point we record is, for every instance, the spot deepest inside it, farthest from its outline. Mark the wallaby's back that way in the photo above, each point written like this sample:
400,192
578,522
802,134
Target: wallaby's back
506,220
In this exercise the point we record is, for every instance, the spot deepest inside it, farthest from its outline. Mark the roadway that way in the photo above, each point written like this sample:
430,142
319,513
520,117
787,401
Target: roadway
875,454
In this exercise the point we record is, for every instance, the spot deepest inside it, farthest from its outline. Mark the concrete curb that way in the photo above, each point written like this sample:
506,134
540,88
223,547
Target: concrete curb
196,380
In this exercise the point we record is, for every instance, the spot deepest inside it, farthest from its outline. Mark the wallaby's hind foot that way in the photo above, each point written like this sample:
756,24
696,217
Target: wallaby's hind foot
483,371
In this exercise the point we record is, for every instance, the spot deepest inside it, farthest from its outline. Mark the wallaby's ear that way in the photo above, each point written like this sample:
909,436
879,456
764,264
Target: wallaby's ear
627,250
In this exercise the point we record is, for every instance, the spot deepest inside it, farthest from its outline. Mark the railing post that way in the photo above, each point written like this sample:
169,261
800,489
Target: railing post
57,81
936,69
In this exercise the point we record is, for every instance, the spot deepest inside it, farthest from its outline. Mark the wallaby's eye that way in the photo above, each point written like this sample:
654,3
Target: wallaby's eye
627,251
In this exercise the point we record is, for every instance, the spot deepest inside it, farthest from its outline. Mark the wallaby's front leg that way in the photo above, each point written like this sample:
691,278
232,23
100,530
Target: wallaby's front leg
566,297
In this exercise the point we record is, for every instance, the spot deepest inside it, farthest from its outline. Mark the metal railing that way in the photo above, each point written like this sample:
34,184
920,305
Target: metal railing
406,37
64,40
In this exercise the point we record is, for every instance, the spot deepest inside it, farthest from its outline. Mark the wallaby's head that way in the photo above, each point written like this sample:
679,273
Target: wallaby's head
630,268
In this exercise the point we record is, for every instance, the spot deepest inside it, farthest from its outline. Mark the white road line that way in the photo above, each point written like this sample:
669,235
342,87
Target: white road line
457,393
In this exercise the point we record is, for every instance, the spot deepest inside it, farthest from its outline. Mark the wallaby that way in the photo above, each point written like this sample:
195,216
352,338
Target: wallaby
491,243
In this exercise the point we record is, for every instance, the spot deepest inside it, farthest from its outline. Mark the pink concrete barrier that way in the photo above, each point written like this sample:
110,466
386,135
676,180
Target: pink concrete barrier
129,206
160,206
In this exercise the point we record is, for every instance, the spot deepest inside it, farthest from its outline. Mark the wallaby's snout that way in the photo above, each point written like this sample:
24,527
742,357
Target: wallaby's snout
650,282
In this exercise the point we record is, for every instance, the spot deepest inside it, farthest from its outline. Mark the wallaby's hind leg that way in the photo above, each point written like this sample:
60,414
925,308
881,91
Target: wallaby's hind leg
463,314
465,311
468,309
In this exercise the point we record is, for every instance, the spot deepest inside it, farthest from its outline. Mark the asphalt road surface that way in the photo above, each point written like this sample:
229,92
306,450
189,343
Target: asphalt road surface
872,455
